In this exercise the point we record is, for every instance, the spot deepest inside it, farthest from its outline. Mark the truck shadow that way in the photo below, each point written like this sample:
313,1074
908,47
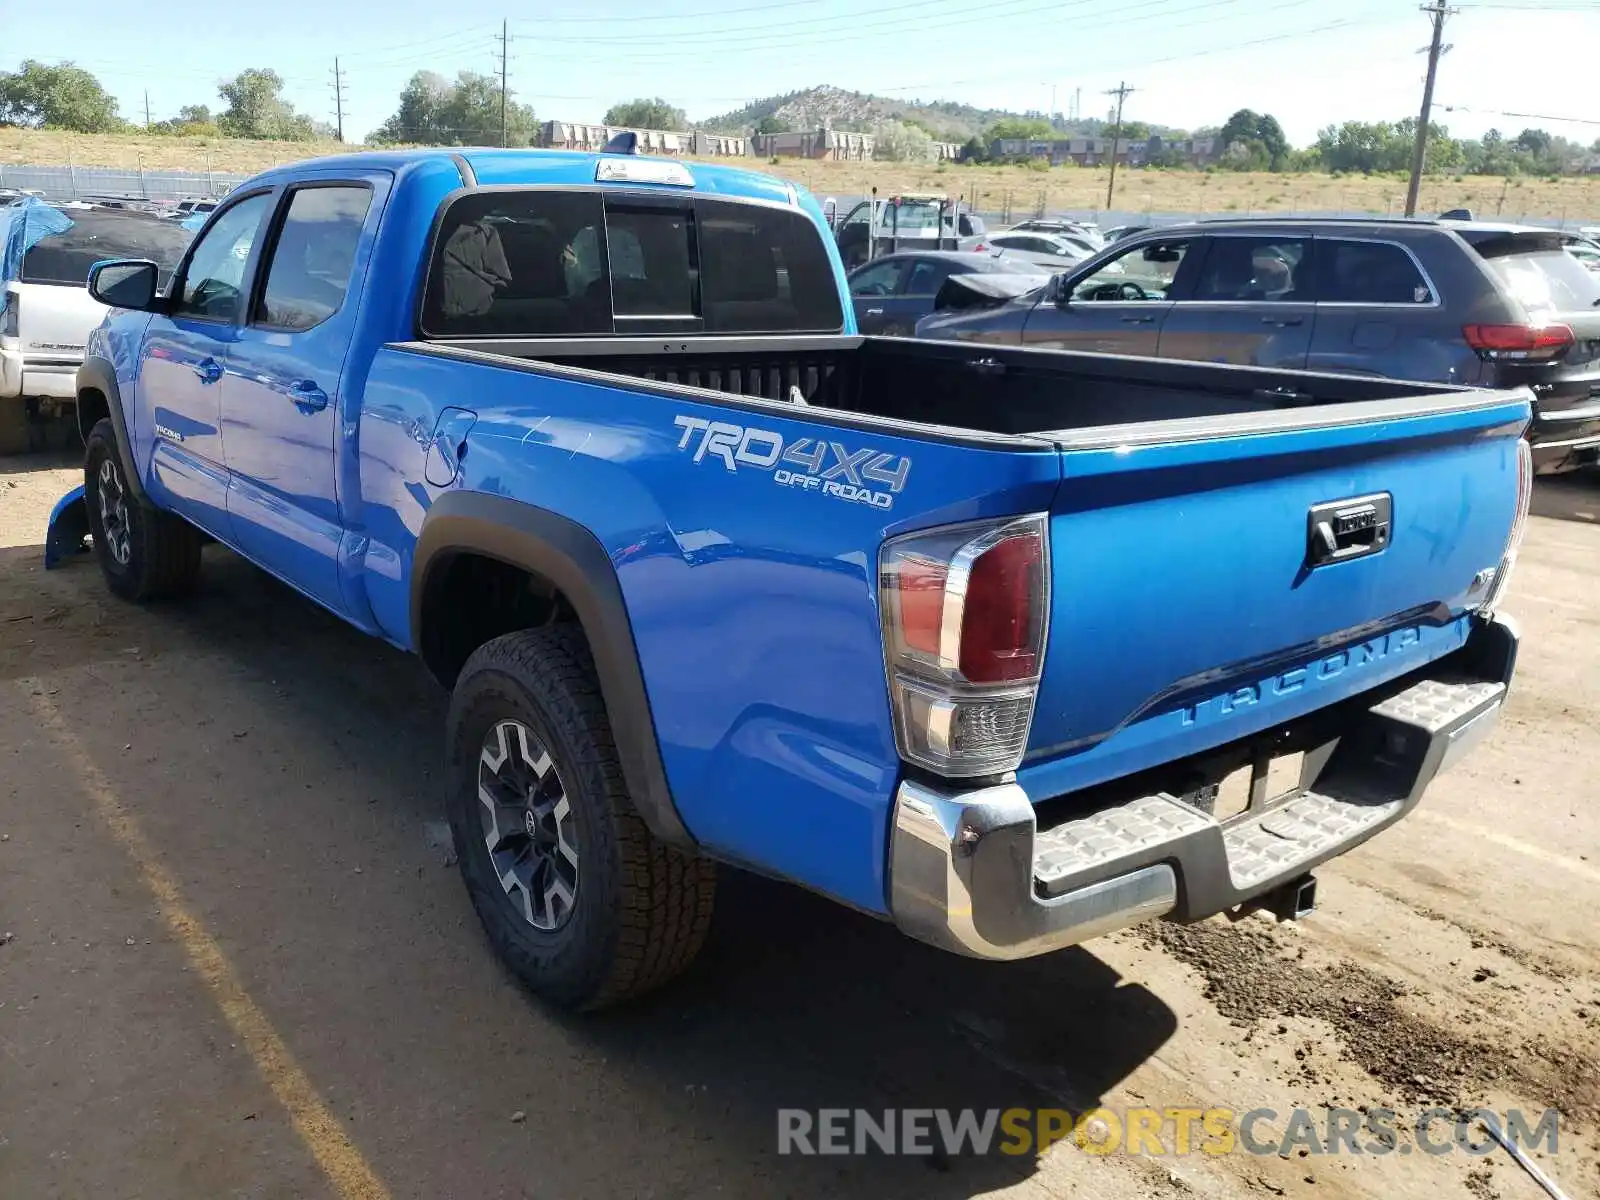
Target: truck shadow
796,1002
1574,496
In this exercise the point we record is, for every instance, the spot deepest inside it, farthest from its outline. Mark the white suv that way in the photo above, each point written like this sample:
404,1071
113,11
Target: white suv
47,315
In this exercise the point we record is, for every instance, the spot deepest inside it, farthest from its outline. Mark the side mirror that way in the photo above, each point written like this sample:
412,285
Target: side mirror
1056,291
127,283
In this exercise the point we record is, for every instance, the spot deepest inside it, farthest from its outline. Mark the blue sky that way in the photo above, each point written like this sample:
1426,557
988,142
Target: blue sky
1194,61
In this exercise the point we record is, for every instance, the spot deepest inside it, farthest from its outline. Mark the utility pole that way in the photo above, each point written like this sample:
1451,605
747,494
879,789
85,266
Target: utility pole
338,99
1121,92
147,108
1437,12
505,56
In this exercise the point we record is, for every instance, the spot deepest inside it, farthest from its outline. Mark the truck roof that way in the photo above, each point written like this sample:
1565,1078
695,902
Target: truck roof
530,166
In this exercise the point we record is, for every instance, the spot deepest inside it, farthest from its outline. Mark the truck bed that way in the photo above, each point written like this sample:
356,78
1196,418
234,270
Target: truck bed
989,389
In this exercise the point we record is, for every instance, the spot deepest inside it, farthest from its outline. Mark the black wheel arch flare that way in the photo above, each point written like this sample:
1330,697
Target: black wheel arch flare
570,558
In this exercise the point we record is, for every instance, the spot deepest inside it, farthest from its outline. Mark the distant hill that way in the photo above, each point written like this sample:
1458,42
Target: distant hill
858,112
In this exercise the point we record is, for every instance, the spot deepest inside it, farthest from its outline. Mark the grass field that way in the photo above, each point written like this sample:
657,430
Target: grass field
1021,190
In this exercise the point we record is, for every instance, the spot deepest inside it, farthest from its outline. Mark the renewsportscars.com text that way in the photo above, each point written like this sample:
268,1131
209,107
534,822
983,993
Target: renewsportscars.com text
1158,1131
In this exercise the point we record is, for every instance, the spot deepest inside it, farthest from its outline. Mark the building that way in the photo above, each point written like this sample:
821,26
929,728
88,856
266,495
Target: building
569,135
833,144
1096,151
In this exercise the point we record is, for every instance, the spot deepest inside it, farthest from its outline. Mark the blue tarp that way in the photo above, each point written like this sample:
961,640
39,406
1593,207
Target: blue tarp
27,225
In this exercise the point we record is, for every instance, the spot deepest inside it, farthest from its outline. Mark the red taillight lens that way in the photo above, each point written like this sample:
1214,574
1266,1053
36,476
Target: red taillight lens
964,614
999,643
919,598
979,248
1519,341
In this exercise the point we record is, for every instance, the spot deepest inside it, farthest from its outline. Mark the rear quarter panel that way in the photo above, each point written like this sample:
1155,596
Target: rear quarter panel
752,600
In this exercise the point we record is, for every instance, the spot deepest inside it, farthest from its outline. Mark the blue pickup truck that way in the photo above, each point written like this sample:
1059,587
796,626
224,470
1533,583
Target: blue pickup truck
977,639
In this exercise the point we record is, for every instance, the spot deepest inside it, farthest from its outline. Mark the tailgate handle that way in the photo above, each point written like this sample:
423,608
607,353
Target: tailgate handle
1340,530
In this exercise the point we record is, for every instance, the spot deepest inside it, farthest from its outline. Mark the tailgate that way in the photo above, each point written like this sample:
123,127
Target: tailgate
1196,599
54,321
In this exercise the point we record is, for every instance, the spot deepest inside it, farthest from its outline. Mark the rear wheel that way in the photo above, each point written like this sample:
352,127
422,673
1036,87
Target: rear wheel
144,553
574,892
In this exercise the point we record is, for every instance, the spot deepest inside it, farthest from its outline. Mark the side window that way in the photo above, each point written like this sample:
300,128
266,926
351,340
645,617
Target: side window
926,277
314,256
880,279
859,216
213,283
1368,273
1255,269
1139,273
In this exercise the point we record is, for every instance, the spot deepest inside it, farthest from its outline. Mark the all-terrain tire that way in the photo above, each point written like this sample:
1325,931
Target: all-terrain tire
641,908
144,553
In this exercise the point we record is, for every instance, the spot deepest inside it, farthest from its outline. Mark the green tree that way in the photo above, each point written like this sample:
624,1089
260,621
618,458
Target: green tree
1135,131
257,109
895,141
772,124
1019,127
1246,126
193,120
436,112
654,113
975,150
1533,141
64,96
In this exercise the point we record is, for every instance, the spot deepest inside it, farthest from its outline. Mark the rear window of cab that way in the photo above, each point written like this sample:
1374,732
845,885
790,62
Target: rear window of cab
545,262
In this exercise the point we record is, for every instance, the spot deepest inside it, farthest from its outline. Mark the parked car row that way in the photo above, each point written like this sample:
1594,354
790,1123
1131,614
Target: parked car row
1476,303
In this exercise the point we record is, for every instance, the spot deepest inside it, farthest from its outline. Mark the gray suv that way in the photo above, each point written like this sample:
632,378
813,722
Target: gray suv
1466,302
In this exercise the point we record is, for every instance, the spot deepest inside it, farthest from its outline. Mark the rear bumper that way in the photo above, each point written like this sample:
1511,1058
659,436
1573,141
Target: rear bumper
972,872
1563,439
21,376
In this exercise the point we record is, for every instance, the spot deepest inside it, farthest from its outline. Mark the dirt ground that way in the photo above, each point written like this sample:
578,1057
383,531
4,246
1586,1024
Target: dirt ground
236,961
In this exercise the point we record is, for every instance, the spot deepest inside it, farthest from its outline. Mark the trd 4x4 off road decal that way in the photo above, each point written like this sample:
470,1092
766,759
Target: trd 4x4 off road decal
811,464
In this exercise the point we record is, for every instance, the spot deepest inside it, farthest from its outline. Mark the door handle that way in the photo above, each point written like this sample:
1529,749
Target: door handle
1283,322
307,396
209,370
1138,320
874,312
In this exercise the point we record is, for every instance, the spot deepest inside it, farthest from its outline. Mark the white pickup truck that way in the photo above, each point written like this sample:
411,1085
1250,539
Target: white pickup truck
46,251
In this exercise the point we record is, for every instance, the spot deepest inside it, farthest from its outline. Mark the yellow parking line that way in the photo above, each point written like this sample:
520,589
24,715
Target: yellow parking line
349,1173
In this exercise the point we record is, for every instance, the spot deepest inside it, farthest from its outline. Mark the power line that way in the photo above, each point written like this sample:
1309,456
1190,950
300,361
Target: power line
1521,116
1122,91
1437,12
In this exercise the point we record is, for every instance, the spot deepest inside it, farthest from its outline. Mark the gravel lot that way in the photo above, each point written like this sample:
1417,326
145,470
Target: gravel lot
235,959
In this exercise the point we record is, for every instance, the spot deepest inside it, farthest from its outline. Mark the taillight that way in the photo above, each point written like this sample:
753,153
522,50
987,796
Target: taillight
1519,341
964,614
1519,526
980,248
10,316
